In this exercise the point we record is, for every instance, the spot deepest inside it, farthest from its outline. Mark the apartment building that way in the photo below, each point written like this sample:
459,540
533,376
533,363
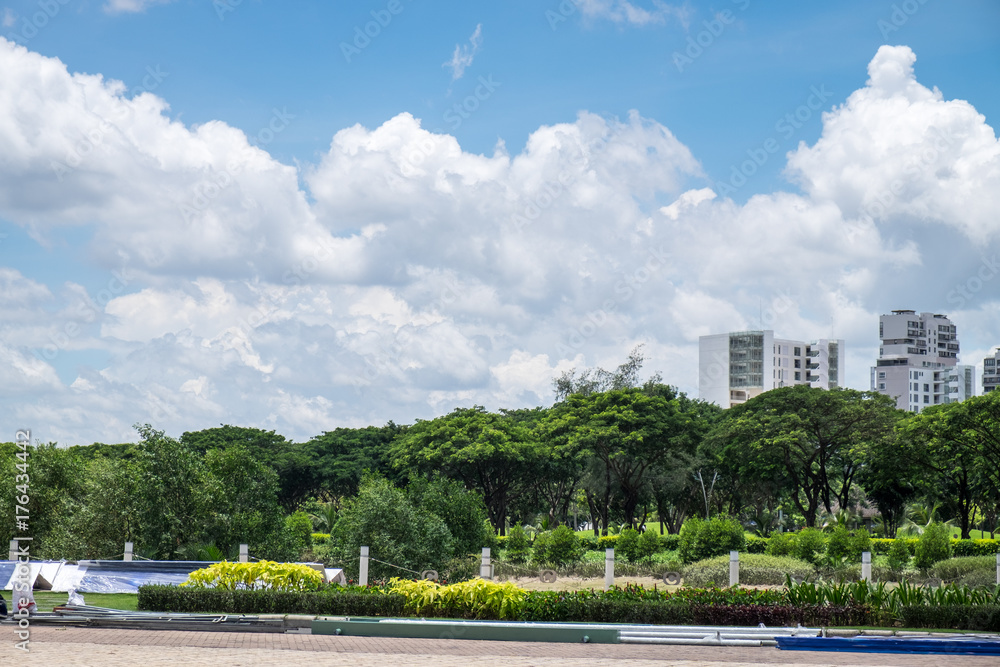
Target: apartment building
991,372
918,361
734,367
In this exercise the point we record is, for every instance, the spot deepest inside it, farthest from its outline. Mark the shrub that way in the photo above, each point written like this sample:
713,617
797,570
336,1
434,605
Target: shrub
899,555
975,547
564,547
810,545
320,538
650,544
628,545
846,547
261,575
755,570
299,527
671,541
782,544
518,548
933,545
756,544
607,542
476,598
540,548
704,539
957,568
353,601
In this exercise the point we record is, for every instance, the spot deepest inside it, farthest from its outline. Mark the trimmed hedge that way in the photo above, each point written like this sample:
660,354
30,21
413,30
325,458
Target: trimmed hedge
628,605
959,617
329,602
755,570
756,545
975,547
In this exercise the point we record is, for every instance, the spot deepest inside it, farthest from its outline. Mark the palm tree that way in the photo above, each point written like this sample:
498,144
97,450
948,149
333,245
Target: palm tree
921,515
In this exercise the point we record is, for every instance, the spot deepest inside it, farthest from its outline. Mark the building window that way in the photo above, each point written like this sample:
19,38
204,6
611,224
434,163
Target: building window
798,363
798,352
927,387
881,386
798,375
881,375
927,398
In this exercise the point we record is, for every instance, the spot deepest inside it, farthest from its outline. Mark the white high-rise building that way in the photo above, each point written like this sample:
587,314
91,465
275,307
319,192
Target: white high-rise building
918,361
991,372
734,367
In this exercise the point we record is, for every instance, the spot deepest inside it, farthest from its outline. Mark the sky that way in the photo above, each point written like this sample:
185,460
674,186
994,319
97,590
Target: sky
310,215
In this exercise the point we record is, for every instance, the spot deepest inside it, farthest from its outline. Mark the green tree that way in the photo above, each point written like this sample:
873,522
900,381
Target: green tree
959,443
382,518
245,505
493,454
173,495
462,510
815,440
933,545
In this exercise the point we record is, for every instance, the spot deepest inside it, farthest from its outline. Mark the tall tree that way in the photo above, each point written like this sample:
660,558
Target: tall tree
960,444
491,453
815,440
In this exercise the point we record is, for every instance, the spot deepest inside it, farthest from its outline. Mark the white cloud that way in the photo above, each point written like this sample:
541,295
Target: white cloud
131,6
622,11
463,55
401,275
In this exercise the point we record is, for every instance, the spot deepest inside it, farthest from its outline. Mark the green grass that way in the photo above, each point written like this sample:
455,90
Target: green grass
46,600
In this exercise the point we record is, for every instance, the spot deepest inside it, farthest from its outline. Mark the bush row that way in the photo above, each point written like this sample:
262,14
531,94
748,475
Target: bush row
617,606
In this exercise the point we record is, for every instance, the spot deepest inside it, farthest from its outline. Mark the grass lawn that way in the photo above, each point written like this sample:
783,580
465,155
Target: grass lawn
46,600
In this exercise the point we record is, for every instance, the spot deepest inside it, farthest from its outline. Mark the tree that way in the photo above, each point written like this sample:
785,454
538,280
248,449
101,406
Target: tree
597,380
173,494
245,506
293,463
461,510
811,441
628,433
342,456
960,444
491,453
382,518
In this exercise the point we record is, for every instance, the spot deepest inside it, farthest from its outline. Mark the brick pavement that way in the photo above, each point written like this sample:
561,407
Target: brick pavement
150,648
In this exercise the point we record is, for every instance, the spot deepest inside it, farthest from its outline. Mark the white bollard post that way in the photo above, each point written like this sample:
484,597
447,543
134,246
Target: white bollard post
485,570
609,569
734,568
866,566
363,574
12,553
244,553
998,569
128,552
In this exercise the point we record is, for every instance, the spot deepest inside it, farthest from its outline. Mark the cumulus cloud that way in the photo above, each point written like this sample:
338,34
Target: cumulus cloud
401,276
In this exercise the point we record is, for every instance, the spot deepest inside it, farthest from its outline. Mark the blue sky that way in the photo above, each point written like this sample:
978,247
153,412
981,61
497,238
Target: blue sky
682,94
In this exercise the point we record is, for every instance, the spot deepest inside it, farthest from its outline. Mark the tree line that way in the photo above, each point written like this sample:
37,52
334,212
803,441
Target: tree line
611,451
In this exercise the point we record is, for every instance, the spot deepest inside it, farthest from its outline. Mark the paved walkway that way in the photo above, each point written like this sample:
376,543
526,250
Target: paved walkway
151,648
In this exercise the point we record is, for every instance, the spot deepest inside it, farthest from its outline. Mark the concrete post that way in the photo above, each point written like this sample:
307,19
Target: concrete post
609,569
128,552
244,553
998,569
12,553
363,574
485,569
866,566
734,568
